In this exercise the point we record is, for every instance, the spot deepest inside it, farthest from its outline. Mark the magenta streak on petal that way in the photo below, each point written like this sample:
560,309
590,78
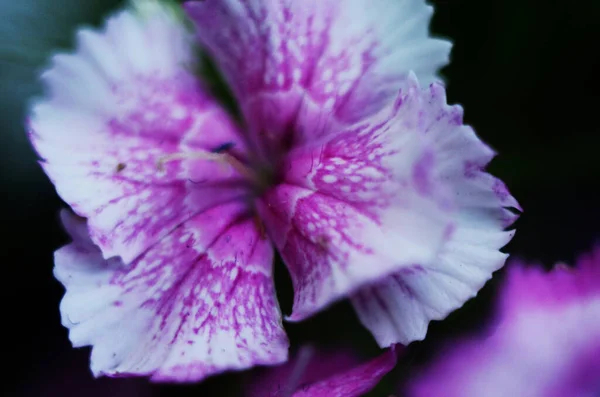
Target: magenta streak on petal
422,174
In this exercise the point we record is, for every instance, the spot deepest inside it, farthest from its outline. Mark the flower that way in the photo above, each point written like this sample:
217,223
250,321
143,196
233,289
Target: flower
368,186
544,341
322,373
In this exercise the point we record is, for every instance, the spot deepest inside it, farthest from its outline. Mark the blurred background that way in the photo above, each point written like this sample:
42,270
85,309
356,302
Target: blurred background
526,72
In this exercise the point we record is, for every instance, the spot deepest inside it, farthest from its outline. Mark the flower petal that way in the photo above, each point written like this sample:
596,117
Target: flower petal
123,101
544,340
399,308
354,382
199,302
343,57
360,206
322,373
402,194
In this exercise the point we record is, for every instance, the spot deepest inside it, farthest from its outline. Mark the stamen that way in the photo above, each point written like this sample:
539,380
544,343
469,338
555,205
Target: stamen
222,158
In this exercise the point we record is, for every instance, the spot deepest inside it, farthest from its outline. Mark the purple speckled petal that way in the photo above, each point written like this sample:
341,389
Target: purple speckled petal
124,100
199,302
544,341
399,308
360,206
322,373
346,58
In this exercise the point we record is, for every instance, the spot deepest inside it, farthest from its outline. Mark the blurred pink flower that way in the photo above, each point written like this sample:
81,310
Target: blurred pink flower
545,341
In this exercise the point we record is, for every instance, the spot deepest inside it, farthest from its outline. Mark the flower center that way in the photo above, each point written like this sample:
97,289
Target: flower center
259,176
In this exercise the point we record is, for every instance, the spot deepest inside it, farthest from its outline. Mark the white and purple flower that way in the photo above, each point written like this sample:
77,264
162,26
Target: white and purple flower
369,186
545,340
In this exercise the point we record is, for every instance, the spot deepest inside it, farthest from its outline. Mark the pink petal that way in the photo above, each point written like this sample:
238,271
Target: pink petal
352,383
199,302
364,204
126,98
544,341
402,194
322,373
325,56
399,308
306,366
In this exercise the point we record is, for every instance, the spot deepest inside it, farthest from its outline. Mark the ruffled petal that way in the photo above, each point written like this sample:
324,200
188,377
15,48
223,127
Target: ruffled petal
199,302
123,101
402,194
346,58
322,373
399,308
544,341
360,206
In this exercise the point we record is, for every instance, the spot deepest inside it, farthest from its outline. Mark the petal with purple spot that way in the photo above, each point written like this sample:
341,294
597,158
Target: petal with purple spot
199,302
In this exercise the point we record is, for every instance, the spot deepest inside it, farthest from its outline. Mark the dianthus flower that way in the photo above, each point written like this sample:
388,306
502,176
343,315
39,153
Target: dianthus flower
367,185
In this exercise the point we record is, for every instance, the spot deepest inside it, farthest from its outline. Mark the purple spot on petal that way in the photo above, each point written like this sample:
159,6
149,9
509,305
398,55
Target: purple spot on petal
403,286
500,190
449,231
471,169
457,116
399,101
422,173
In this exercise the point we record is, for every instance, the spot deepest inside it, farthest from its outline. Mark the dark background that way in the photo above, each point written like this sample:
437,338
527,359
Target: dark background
526,73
